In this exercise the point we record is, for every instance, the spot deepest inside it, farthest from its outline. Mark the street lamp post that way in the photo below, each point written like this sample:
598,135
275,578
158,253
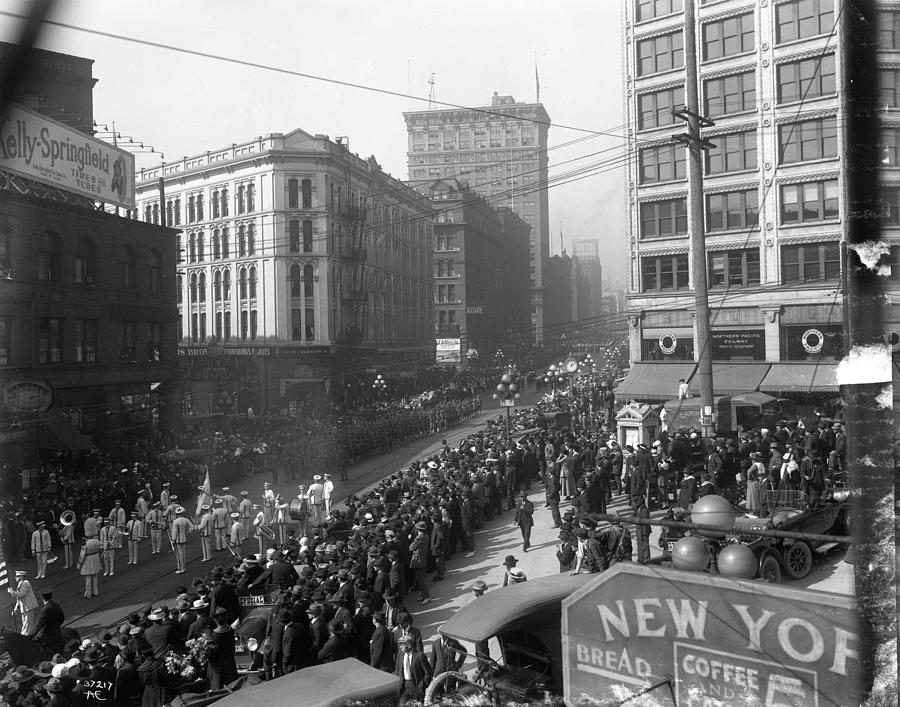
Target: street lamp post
379,386
507,392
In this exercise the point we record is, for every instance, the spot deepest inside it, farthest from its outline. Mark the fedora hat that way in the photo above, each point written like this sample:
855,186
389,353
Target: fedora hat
509,560
158,614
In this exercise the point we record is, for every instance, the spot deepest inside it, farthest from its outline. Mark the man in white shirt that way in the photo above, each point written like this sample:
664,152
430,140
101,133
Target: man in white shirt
238,534
181,526
316,498
40,548
156,522
134,531
109,541
25,602
683,392
327,494
220,524
268,502
245,508
118,518
67,536
205,526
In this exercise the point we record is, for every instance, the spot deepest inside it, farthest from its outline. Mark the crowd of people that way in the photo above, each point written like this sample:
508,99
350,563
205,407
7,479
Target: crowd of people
348,583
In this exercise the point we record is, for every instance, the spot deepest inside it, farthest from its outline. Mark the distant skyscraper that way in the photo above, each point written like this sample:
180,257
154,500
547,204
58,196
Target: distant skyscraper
501,151
587,251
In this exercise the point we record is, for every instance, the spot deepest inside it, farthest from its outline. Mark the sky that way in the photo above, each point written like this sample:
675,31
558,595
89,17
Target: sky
184,104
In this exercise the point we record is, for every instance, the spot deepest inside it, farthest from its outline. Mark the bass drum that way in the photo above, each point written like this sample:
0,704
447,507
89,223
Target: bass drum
298,510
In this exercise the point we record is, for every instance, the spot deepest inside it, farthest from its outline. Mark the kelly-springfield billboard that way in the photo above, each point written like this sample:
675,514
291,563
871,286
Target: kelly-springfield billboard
47,151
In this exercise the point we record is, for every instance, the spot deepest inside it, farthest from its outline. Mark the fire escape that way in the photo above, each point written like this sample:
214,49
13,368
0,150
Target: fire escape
355,297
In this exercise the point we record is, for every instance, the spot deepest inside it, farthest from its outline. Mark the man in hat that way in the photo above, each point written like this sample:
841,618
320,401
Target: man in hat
205,528
109,542
181,527
260,528
90,565
162,634
220,521
134,531
48,628
419,550
642,532
25,602
92,525
508,563
155,523
317,628
381,652
327,494
164,496
524,519
237,532
40,547
224,595
316,498
268,503
228,500
295,643
117,519
245,508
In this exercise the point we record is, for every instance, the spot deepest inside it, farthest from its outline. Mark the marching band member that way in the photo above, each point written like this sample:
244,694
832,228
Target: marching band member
134,531
25,602
220,524
117,518
109,541
156,521
280,520
205,526
258,523
238,535
169,512
315,495
164,496
245,508
181,526
327,493
229,501
268,502
142,505
302,511
40,548
92,525
67,535
89,565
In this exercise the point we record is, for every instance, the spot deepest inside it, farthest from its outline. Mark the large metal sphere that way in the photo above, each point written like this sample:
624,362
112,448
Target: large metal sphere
506,378
690,553
738,561
715,511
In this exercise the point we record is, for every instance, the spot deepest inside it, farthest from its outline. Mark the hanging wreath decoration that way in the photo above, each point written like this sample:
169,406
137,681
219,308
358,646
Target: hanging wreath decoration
668,343
813,340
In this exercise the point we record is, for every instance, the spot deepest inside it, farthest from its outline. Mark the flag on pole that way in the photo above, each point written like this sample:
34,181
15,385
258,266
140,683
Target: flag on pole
4,577
205,495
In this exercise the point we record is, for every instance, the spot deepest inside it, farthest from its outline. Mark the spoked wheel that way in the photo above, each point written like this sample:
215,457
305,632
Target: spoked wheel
797,559
769,569
249,467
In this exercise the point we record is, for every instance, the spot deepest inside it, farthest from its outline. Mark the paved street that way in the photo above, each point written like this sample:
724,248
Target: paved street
154,580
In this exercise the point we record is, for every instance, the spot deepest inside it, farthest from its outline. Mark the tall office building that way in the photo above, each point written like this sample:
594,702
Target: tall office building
501,152
770,78
587,251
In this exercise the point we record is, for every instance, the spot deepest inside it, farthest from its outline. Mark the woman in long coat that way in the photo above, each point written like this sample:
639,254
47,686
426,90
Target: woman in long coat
221,668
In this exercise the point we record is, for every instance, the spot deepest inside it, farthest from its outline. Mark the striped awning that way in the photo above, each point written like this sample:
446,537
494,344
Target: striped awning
801,377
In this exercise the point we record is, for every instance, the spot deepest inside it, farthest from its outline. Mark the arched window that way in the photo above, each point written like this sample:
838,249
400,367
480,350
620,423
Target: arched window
442,268
294,236
252,283
307,236
201,253
85,262
215,245
217,286
240,199
296,281
127,268
310,324
179,283
251,239
244,324
192,256
224,196
242,241
201,284
179,253
254,322
242,283
226,248
193,288
308,272
251,197
226,289
154,271
192,212
296,331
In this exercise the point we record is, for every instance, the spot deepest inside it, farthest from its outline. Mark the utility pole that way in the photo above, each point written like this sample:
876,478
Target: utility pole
696,147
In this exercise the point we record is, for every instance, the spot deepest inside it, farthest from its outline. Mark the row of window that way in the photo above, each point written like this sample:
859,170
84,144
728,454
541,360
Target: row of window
730,36
740,268
222,330
806,202
244,203
247,285
803,79
803,141
78,340
445,293
220,244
